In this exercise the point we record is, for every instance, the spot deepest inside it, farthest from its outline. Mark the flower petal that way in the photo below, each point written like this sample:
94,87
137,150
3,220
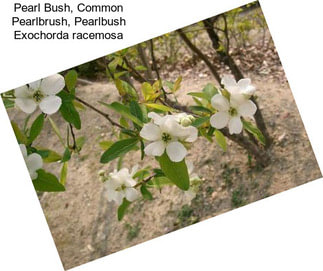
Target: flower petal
157,119
156,148
176,151
35,85
33,175
192,134
27,105
228,81
118,197
34,162
244,83
220,119
53,84
23,150
220,103
190,166
132,194
247,109
235,125
150,132
22,92
50,104
172,127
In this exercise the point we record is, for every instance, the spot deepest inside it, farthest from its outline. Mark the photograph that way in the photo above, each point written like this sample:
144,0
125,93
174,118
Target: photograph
161,135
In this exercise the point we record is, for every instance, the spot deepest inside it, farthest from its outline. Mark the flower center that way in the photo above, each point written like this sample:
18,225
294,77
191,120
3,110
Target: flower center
166,137
233,112
121,188
38,96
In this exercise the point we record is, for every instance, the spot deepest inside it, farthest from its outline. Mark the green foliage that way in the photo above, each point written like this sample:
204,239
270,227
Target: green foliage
175,171
118,148
145,193
200,109
209,91
36,128
68,111
66,155
123,208
49,156
47,182
148,92
126,90
133,231
160,107
22,139
200,121
237,199
254,131
63,174
220,139
8,103
124,111
70,81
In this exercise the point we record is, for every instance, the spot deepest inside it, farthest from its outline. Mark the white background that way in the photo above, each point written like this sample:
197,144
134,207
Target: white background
283,232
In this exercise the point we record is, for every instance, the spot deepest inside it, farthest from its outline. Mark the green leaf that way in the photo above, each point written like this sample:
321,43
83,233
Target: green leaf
22,139
63,174
200,121
220,139
210,90
79,106
169,84
140,68
105,144
123,111
66,155
47,182
159,182
160,107
125,88
254,131
175,171
198,95
8,103
70,80
199,108
148,92
36,128
118,148
177,84
68,111
80,142
145,193
122,209
136,110
50,157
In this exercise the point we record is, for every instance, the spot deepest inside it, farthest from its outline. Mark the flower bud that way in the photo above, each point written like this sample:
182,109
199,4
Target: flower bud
187,120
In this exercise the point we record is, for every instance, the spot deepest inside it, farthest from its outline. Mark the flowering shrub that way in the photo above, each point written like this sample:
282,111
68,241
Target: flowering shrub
155,125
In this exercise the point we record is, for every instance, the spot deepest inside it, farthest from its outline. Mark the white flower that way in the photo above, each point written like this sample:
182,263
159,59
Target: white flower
120,184
33,162
243,86
195,182
41,93
230,111
167,134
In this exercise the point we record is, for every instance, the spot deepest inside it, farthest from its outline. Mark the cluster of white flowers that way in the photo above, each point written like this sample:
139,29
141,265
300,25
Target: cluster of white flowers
120,184
168,133
230,111
41,93
33,161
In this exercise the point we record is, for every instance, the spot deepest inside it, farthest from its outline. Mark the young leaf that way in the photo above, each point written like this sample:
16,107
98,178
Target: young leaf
175,171
47,182
80,142
136,110
177,84
49,156
122,209
123,111
254,131
22,139
68,111
66,155
56,130
8,103
148,92
145,193
198,95
36,128
160,107
198,108
220,139
63,174
105,144
118,148
70,80
200,121
210,90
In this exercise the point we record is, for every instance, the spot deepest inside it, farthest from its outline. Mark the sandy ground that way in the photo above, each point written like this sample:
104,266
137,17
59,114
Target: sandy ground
83,222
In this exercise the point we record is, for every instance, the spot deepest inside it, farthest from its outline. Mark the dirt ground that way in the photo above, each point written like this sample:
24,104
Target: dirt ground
84,224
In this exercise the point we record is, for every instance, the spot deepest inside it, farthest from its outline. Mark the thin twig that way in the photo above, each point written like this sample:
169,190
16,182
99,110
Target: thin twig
145,181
